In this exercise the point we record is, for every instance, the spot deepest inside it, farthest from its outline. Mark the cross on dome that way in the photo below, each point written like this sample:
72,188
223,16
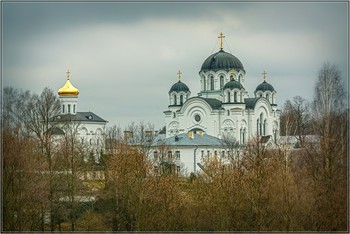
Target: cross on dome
179,75
221,37
68,89
264,73
68,74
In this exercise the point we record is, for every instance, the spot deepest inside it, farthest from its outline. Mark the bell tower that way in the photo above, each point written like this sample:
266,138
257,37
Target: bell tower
68,95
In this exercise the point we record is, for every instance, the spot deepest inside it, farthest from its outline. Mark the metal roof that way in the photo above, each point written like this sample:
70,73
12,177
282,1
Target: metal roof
185,140
250,103
233,84
264,86
214,103
80,116
221,60
179,87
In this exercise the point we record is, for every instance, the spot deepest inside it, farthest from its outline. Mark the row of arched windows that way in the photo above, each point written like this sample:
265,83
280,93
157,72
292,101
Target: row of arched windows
261,125
230,132
175,99
237,96
210,82
242,135
270,98
68,108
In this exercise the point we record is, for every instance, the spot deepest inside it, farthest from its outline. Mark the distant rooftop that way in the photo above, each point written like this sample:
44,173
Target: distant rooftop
185,139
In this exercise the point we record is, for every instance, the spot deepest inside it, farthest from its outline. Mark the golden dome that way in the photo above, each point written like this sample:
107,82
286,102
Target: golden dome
68,89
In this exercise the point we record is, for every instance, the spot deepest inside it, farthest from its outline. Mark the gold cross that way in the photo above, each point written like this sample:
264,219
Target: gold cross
264,73
221,37
179,74
68,73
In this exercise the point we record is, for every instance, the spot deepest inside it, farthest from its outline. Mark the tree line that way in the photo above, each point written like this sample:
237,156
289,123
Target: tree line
259,189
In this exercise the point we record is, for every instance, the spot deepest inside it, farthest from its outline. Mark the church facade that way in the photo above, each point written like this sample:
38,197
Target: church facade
223,107
90,128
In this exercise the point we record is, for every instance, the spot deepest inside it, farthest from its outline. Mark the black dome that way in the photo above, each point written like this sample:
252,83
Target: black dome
221,61
233,85
264,86
179,87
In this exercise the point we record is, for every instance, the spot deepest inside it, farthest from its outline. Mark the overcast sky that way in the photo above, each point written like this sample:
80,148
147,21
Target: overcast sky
124,57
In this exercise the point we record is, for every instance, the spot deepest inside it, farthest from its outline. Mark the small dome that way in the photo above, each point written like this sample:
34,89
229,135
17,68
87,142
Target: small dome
233,84
221,61
68,90
179,87
264,86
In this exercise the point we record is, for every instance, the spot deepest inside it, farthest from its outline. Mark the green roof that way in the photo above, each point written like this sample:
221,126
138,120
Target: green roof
264,86
221,60
179,87
214,103
233,84
250,103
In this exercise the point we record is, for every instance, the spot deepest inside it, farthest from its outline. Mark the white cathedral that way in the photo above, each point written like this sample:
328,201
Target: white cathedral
223,107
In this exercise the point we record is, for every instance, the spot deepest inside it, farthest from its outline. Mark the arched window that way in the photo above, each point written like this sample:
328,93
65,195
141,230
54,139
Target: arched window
74,108
181,99
244,133
62,108
275,135
240,78
228,96
267,97
228,112
212,83
235,96
175,101
240,135
174,115
68,108
272,97
257,126
261,124
264,130
221,81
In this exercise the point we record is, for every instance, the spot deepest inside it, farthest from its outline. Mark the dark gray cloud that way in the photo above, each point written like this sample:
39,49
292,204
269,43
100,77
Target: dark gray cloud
124,56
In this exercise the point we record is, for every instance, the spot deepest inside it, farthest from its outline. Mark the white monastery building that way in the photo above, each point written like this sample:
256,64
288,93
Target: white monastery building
196,125
90,127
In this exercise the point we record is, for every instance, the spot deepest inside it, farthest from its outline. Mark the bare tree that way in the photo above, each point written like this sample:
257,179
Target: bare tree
35,113
24,112
71,154
295,119
327,161
141,136
23,191
127,169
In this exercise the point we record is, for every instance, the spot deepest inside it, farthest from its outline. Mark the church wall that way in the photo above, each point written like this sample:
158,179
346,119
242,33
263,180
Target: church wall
91,135
191,155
